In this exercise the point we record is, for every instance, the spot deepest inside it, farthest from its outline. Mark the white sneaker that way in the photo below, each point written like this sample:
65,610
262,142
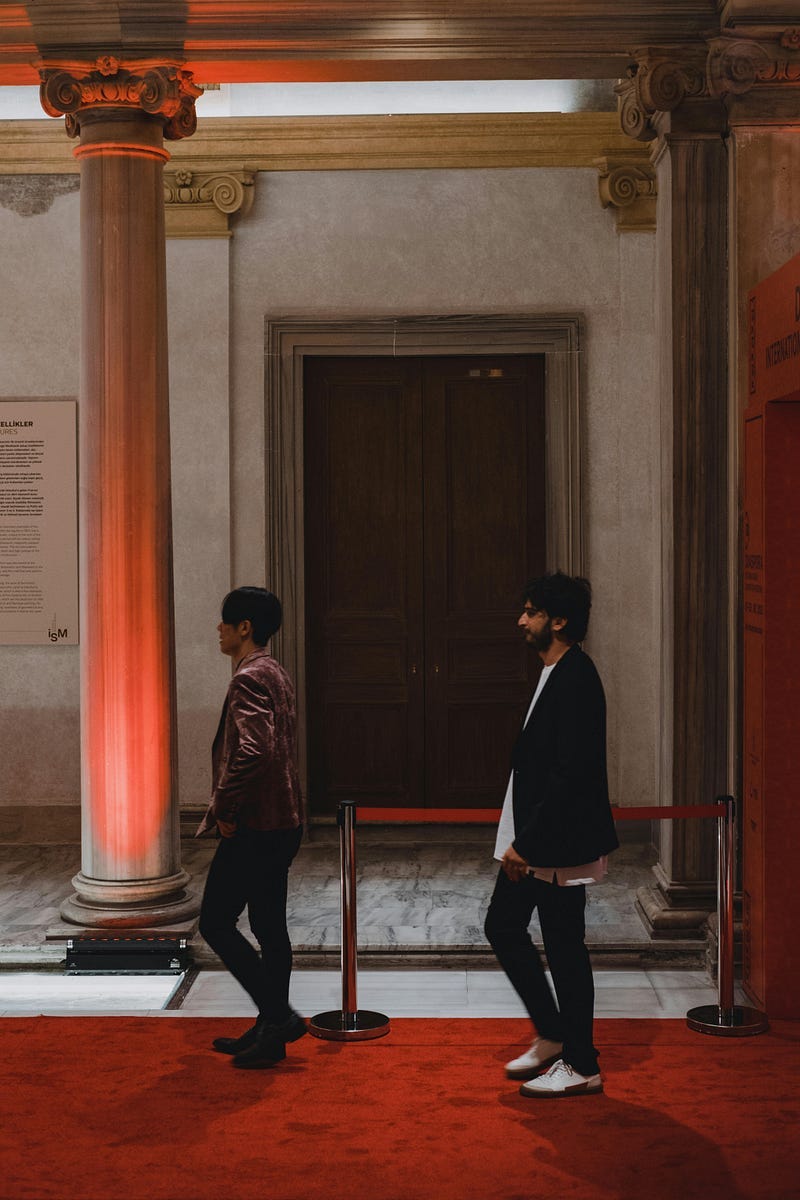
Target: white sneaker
562,1080
541,1054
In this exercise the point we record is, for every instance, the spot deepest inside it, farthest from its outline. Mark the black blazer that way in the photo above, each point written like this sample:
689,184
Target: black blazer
562,815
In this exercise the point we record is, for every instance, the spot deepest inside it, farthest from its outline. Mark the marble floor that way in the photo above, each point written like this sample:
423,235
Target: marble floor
422,897
44,993
430,993
455,993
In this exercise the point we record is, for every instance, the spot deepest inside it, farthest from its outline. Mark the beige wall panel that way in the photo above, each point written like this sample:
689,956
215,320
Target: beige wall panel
39,311
342,244
198,286
337,244
39,720
40,293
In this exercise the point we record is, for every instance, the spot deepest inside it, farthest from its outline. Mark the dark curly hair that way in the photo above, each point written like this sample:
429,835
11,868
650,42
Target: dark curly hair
561,595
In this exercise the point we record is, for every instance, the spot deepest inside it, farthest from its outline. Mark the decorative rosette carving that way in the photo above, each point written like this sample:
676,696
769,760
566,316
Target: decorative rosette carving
164,90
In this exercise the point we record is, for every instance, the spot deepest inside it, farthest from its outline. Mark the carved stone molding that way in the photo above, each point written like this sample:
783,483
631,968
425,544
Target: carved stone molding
360,143
627,183
200,204
660,81
163,90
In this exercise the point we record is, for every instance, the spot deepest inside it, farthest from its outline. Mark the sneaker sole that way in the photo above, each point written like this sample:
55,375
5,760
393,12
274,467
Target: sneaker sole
570,1094
532,1072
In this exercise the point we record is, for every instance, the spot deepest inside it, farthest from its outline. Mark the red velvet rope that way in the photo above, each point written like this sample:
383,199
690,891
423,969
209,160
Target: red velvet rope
487,816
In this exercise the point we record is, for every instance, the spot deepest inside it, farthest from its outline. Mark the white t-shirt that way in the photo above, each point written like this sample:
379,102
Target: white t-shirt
586,872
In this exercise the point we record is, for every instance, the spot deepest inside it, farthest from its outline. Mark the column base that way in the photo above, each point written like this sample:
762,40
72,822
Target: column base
712,945
135,904
676,910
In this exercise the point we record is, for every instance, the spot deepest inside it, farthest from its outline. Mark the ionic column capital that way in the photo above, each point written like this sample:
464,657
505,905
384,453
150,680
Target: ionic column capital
201,203
160,89
738,65
627,183
659,82
703,85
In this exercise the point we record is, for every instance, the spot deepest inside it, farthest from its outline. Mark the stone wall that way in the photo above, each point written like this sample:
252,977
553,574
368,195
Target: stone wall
341,244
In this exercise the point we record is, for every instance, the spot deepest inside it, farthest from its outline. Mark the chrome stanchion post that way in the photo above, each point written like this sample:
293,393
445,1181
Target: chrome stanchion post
725,833
725,1018
348,1024
349,915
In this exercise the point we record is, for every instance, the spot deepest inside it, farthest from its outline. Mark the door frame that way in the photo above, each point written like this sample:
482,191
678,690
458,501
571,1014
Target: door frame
287,343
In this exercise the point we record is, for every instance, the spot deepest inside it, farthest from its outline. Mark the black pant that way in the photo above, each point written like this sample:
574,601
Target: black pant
563,930
252,869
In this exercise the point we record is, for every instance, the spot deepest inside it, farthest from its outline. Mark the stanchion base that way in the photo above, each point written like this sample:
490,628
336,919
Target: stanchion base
338,1026
727,1022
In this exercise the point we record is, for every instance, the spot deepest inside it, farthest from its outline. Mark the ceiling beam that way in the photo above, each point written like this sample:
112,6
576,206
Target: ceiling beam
317,40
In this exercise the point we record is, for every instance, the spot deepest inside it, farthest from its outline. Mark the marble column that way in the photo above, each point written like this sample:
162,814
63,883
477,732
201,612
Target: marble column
666,100
130,873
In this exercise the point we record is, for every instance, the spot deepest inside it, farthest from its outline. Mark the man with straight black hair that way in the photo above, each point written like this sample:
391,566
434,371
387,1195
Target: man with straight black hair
256,810
555,833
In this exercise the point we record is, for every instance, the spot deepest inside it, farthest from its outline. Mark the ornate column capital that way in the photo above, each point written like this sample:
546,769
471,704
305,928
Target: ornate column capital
737,65
704,83
627,183
201,203
160,89
660,81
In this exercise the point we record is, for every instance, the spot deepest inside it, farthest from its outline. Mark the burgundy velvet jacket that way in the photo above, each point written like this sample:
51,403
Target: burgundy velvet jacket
254,758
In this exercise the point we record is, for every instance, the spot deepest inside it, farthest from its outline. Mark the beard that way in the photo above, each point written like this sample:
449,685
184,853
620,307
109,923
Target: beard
542,640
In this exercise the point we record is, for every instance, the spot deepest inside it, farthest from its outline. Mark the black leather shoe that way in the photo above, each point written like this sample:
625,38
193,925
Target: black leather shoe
225,1045
264,1052
290,1030
269,1045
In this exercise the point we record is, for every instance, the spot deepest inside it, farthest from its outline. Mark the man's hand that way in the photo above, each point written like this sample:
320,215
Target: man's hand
226,828
514,865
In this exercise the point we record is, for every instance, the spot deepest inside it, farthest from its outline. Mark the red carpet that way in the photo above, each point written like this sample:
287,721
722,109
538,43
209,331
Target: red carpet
140,1108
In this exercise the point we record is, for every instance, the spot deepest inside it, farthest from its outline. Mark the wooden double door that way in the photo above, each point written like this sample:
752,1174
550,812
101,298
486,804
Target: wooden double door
424,517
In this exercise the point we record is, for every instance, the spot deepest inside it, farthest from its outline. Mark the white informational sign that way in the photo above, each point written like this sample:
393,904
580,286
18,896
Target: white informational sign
38,523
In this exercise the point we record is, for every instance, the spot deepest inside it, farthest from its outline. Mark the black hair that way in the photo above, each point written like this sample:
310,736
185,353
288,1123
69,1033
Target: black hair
561,595
256,605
